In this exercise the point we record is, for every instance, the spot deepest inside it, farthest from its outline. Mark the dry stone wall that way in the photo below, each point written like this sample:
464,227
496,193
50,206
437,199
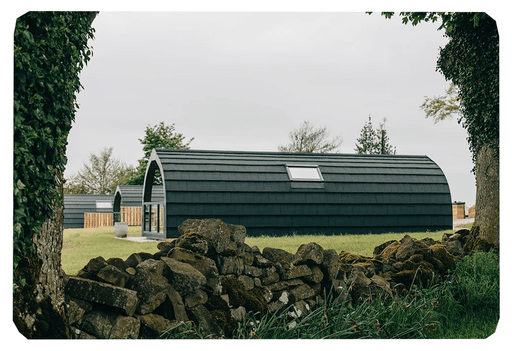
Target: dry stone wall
210,277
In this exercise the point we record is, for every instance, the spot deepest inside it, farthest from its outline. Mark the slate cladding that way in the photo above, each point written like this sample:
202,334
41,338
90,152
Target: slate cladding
359,194
75,205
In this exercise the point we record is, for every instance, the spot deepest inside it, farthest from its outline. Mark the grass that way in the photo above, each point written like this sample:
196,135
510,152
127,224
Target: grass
355,244
81,245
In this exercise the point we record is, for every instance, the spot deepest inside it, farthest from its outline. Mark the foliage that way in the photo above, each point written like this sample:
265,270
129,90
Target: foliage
50,50
101,175
373,142
470,60
308,139
159,136
442,107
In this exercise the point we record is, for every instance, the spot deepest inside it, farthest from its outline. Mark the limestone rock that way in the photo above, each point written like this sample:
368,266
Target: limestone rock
296,272
154,325
197,297
120,299
310,253
193,242
222,238
183,277
278,256
203,264
113,275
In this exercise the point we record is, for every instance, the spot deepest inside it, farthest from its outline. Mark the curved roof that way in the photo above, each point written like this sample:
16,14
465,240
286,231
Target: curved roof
274,193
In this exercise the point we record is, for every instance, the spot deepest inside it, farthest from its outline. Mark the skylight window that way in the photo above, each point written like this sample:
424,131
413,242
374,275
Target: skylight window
103,204
304,173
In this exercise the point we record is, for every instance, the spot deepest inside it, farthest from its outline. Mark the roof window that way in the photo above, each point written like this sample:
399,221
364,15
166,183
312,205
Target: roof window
103,204
304,173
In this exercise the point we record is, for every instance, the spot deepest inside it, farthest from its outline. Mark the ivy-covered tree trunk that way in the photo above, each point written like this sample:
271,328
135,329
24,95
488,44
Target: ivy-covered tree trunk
39,308
50,49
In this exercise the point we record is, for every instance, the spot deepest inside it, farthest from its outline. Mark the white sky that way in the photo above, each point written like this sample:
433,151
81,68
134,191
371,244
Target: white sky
244,80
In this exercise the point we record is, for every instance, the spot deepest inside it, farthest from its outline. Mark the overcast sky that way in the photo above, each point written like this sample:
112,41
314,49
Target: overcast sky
244,80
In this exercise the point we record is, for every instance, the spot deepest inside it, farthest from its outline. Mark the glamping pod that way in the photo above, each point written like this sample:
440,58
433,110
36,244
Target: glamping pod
128,200
274,193
75,205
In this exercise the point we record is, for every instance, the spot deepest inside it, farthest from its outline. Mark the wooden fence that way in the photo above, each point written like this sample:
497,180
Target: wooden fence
459,210
95,220
131,215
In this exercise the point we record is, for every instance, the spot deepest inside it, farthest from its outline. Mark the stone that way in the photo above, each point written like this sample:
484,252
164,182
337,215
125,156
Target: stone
378,249
454,247
120,299
94,265
316,275
204,265
82,335
253,271
302,292
98,324
124,327
389,251
311,253
193,242
284,284
272,278
113,275
330,263
74,312
198,297
173,308
260,261
222,238
166,246
118,263
248,281
151,266
440,252
408,247
239,295
238,313
153,325
296,272
131,271
201,316
150,285
278,256
230,265
183,277
104,325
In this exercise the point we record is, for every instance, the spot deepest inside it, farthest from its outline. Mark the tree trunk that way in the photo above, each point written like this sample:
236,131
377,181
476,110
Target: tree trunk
38,307
486,229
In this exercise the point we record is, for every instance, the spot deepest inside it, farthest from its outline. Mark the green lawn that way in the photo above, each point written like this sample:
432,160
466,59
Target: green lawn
80,245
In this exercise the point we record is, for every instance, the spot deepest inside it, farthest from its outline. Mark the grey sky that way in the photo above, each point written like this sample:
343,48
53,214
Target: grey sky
244,80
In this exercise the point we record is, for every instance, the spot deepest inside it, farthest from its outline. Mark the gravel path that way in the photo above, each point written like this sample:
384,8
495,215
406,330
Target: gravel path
459,223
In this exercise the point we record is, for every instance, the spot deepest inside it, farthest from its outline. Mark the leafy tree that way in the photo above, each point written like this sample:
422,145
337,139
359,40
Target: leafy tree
308,139
374,142
159,136
442,107
101,175
470,60
50,50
